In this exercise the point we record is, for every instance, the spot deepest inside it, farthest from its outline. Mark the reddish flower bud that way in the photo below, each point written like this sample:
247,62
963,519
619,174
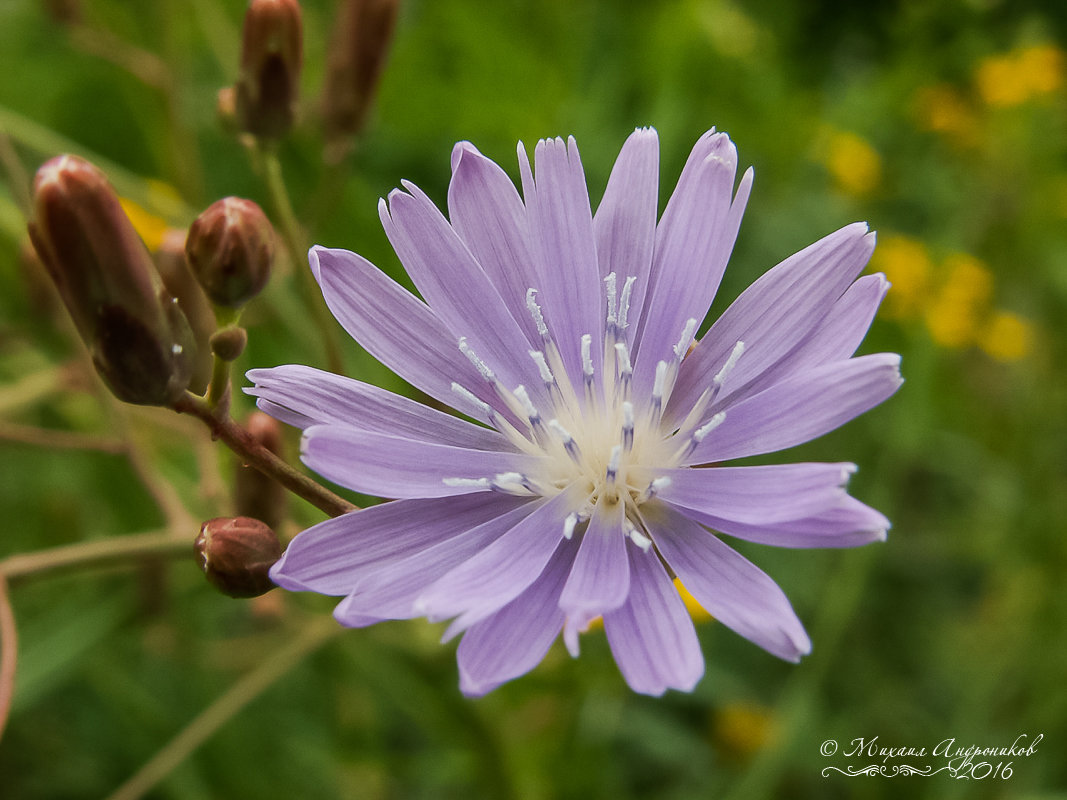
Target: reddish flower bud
236,554
271,60
180,282
231,248
138,337
258,495
363,32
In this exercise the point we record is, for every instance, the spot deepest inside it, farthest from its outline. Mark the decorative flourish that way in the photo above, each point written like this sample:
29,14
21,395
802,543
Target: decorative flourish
886,771
594,476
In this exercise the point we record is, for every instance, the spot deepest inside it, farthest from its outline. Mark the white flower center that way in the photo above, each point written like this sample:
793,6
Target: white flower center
596,437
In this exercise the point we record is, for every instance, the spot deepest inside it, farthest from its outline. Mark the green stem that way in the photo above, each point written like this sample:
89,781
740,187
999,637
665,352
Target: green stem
244,691
218,391
255,454
297,247
96,553
8,653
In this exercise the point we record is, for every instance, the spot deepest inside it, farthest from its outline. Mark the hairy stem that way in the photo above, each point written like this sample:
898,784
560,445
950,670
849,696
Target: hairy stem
256,455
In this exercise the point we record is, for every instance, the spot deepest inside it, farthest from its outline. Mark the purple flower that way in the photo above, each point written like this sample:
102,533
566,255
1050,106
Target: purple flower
596,473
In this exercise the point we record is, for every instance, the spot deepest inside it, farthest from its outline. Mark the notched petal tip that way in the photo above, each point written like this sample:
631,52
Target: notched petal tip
460,150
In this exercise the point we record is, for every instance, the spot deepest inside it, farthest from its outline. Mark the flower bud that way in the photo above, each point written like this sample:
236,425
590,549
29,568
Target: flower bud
180,282
236,554
230,249
137,334
271,60
256,494
229,343
362,35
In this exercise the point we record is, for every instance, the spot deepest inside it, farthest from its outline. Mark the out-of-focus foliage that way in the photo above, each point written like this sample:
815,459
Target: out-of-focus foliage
943,123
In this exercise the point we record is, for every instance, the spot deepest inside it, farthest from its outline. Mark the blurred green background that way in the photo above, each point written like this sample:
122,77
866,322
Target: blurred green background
942,123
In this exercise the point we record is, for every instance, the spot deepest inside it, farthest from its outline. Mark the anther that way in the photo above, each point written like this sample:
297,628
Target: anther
569,524
627,426
535,312
609,285
480,365
686,339
512,483
468,483
624,302
542,367
735,354
654,488
569,444
699,435
635,535
613,466
471,399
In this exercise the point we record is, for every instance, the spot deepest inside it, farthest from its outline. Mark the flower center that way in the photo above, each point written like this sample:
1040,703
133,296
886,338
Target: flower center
597,436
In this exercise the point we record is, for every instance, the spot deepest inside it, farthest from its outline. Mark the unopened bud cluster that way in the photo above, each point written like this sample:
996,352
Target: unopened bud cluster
230,248
358,50
236,554
271,61
138,336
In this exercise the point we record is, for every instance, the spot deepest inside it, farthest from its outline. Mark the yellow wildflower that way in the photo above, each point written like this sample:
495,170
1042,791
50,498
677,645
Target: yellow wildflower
743,729
942,109
855,166
906,263
1011,79
955,315
1007,336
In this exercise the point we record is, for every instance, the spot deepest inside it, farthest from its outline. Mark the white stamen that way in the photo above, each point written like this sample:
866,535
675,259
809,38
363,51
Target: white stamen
639,539
542,367
513,483
587,355
627,426
477,362
569,524
659,382
700,433
176,349
654,488
568,441
735,354
469,396
613,465
624,302
527,405
535,312
622,355
609,283
472,483
686,339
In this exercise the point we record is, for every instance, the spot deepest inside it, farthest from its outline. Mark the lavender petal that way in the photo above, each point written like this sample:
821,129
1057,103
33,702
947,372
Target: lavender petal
801,408
652,635
313,397
732,589
514,640
389,466
333,556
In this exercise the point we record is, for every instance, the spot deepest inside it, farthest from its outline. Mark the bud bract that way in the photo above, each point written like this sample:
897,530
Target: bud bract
357,54
271,60
180,282
230,249
137,334
236,554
